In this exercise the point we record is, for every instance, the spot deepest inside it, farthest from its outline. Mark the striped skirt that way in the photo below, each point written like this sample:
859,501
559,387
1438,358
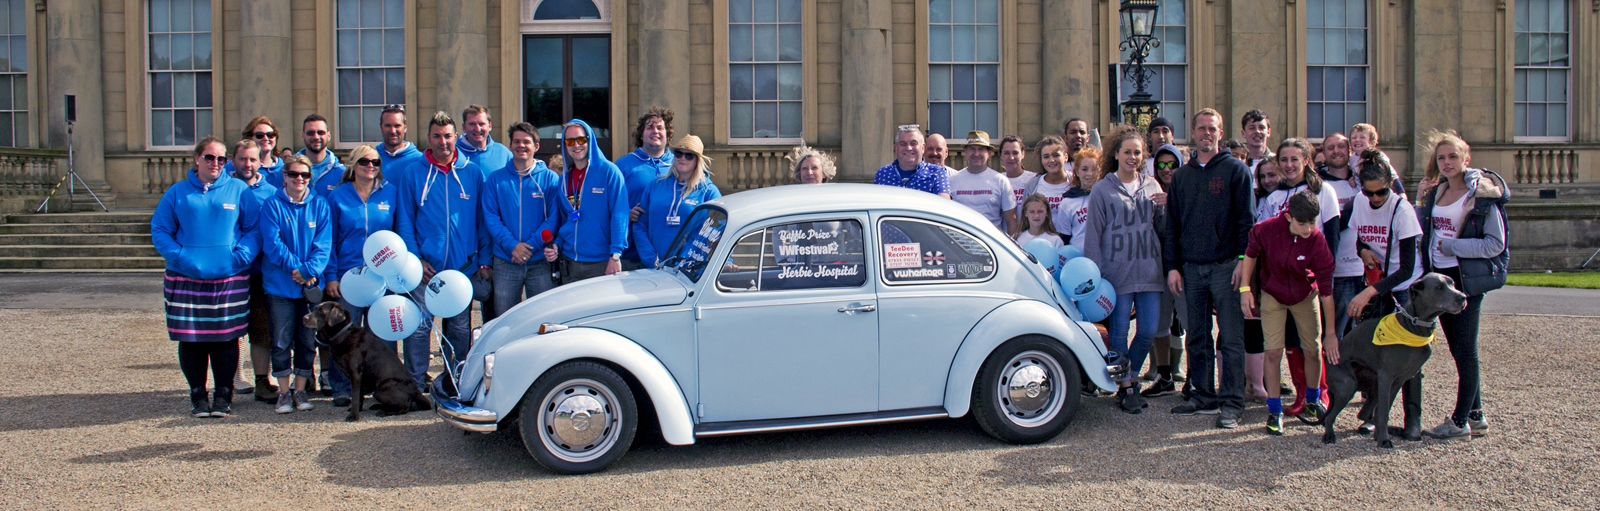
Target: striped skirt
200,310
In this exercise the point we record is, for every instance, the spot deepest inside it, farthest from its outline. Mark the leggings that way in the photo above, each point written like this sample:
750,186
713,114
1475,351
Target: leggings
222,357
1461,331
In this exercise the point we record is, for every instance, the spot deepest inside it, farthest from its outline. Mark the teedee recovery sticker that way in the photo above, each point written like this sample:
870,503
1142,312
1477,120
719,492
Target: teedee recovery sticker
902,255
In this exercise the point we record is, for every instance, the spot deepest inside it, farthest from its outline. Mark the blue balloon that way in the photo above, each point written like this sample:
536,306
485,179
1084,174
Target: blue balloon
361,286
449,293
393,317
1067,253
408,276
1043,252
1078,277
1099,304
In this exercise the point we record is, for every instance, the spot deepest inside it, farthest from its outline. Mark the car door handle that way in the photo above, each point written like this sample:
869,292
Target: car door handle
859,308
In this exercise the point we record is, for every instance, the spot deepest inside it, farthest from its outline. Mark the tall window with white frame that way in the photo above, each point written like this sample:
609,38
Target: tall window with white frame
14,73
1543,70
764,74
963,67
179,69
371,65
1336,65
1170,62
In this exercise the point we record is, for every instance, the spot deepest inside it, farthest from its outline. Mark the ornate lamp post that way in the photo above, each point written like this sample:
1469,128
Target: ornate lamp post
1140,16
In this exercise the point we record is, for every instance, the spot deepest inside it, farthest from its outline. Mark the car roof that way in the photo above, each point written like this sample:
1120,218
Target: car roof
764,203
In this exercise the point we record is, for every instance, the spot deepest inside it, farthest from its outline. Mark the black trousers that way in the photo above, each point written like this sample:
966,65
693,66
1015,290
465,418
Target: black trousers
221,357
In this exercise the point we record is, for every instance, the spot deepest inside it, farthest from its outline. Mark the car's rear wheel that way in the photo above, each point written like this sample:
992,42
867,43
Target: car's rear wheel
1027,390
579,417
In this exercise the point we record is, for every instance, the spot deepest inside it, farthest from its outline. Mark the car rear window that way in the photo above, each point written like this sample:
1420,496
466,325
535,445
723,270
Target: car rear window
920,251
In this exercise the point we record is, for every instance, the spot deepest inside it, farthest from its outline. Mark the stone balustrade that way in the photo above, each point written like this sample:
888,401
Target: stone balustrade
30,172
161,172
1553,165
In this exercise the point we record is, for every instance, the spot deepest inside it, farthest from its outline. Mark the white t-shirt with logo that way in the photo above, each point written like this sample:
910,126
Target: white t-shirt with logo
1446,224
1075,212
1024,237
1276,203
1020,184
1372,227
1053,194
987,192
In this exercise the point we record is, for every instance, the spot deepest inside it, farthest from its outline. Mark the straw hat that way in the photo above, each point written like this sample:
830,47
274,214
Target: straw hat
979,138
691,144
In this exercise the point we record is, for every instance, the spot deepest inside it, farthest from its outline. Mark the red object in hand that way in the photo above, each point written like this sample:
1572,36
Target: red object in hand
547,236
1374,275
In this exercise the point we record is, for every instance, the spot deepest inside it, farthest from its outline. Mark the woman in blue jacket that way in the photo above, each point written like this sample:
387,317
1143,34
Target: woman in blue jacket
297,241
363,203
669,199
205,227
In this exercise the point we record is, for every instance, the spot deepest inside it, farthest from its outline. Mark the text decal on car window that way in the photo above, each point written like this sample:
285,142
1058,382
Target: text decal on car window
919,251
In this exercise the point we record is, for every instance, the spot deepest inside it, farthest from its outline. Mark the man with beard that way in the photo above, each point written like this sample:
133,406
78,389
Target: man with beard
936,152
1077,137
246,164
1160,134
326,170
396,153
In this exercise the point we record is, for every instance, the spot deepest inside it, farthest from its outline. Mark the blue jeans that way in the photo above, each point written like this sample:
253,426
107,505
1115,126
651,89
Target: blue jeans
457,336
512,281
1344,290
290,336
1205,286
1147,302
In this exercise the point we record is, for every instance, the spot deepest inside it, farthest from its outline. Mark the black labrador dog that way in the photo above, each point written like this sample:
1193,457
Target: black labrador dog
373,367
1379,372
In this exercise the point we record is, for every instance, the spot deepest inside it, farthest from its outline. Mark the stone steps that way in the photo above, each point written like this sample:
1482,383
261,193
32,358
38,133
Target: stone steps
83,263
74,240
76,228
48,251
85,241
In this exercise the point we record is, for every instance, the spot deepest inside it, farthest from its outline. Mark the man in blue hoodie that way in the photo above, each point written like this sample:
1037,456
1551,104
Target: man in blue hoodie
438,217
594,216
644,166
326,170
476,143
396,152
247,169
516,201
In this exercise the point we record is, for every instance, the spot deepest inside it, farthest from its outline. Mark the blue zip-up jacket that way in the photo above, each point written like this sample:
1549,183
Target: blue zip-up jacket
515,207
638,171
294,236
270,174
325,176
494,155
354,219
207,231
395,163
598,226
438,214
667,198
262,191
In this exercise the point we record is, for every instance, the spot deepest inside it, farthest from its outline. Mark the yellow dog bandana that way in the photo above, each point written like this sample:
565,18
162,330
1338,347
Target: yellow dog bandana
1390,332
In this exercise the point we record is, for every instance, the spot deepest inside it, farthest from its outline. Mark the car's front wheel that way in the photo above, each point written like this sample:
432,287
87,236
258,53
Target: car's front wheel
1027,390
578,418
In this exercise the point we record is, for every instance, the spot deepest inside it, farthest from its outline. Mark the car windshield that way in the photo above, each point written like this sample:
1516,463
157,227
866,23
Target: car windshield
696,242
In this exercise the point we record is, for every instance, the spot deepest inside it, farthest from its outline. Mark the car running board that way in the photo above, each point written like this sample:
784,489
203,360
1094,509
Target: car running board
826,421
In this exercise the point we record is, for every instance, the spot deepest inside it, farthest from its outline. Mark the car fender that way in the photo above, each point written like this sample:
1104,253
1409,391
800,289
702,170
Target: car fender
1009,321
521,362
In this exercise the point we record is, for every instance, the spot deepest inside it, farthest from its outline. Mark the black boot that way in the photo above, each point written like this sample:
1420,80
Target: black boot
222,403
197,397
266,392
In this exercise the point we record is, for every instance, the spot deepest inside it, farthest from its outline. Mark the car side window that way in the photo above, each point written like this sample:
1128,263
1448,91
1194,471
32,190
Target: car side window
920,251
800,255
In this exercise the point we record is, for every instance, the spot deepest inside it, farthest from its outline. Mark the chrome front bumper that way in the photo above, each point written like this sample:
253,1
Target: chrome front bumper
460,415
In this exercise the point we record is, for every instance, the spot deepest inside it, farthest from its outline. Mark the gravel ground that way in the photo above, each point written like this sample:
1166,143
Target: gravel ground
99,420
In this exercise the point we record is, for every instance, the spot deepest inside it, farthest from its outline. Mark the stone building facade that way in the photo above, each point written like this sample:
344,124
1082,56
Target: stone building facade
754,77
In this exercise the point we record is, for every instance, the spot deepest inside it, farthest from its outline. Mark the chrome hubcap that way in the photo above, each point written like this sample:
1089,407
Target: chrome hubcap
1029,382
579,421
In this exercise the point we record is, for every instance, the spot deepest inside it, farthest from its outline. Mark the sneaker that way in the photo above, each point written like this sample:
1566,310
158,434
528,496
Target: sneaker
341,401
1479,426
1228,420
222,403
1366,429
198,399
241,386
285,403
1177,376
1449,430
1313,413
1191,407
1131,401
1160,388
322,383
1274,424
301,402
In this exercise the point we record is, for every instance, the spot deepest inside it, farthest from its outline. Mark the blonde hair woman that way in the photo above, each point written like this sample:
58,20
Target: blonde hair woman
810,166
668,200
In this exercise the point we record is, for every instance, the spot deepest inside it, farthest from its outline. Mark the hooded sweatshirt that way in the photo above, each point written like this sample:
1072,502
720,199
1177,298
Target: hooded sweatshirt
325,176
270,174
597,226
1479,246
1121,235
353,219
666,204
516,206
638,171
263,191
1208,212
295,236
395,163
494,155
438,214
207,231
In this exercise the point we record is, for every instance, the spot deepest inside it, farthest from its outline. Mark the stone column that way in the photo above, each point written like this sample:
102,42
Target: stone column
1435,75
1256,55
1069,78
463,59
664,61
266,85
867,106
72,66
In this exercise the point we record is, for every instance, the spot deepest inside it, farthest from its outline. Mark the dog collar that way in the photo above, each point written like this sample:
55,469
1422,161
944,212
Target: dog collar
1390,331
353,323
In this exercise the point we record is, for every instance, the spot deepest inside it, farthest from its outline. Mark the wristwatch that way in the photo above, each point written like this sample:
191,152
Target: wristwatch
616,257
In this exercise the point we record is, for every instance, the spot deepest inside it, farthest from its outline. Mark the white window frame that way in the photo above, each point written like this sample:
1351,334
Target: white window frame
532,26
799,63
1518,69
335,127
149,103
999,64
1366,115
1181,134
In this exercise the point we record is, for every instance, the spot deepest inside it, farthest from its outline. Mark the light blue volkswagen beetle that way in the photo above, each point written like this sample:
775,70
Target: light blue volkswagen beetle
794,307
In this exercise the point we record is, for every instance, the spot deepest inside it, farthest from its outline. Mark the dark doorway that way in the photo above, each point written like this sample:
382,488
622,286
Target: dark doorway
565,77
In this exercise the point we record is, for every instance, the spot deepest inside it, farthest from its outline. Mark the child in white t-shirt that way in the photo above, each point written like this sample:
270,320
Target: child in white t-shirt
1036,222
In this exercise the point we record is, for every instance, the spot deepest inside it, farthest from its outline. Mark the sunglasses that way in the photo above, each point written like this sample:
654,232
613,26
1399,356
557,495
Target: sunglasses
574,141
212,158
297,174
1166,165
374,162
686,155
316,132
265,134
1381,192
